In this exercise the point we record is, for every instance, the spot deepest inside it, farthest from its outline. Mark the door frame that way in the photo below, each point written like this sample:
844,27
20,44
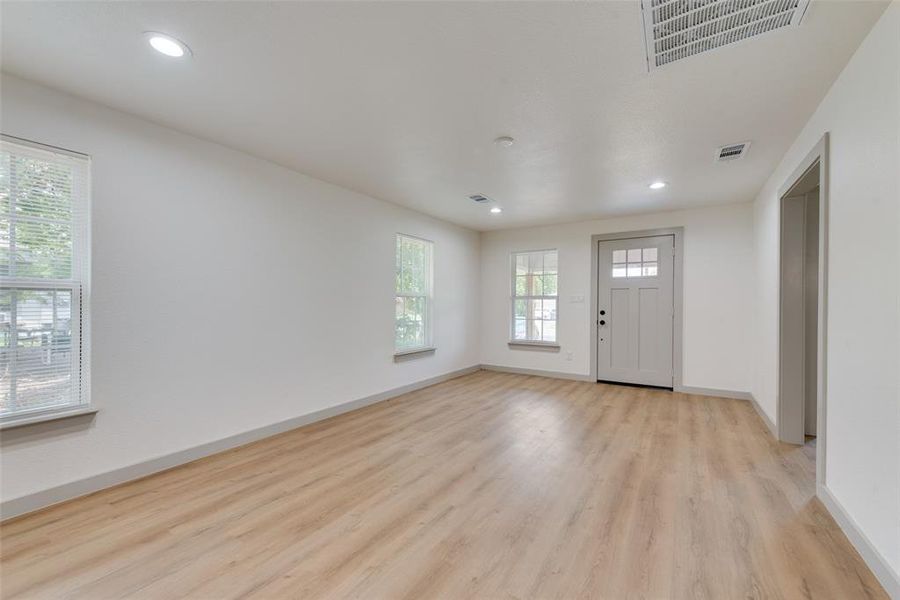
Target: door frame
818,155
677,293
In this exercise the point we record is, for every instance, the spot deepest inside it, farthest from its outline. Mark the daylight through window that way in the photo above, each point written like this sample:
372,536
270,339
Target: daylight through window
534,298
44,266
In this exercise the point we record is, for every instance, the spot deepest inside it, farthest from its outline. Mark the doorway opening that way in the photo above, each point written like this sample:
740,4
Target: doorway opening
799,309
802,310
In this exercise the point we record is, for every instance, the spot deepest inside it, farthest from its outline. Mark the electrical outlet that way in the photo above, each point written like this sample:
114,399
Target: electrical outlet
568,355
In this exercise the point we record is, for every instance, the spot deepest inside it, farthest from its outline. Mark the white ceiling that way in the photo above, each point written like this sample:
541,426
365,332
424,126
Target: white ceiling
402,101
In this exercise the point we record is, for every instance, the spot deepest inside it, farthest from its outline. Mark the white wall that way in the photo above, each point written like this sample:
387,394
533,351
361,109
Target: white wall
228,293
862,114
216,311
718,280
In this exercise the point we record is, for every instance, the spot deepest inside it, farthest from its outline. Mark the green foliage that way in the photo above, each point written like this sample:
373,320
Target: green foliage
413,279
410,322
412,265
534,304
35,218
536,285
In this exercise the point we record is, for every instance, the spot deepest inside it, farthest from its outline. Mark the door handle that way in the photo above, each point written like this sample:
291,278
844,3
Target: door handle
603,322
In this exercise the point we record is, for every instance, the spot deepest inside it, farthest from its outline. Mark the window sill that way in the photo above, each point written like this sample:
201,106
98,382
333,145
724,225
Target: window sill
50,415
413,353
526,345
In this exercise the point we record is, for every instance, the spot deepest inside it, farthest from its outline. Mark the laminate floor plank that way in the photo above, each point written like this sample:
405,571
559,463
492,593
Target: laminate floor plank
490,485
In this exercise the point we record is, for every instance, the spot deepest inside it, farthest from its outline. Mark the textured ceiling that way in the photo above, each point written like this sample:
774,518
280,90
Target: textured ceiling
402,101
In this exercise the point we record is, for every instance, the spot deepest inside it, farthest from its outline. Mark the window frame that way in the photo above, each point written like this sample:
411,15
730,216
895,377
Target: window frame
428,325
513,341
78,285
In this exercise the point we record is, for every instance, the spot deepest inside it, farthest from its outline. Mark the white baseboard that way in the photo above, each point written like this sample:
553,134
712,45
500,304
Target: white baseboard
718,393
737,396
765,418
888,578
68,491
29,503
537,372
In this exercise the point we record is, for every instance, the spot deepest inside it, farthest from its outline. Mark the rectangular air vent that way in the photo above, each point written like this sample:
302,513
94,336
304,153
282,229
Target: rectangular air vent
732,151
676,29
479,198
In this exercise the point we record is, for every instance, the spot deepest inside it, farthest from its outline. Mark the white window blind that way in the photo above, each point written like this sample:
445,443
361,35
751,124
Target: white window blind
534,296
44,277
412,301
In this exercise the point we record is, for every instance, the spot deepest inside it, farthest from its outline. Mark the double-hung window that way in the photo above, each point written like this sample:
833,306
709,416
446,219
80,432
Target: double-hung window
534,296
44,269
413,300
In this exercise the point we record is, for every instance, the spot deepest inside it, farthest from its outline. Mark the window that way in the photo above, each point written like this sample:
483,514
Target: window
636,262
412,302
534,298
44,263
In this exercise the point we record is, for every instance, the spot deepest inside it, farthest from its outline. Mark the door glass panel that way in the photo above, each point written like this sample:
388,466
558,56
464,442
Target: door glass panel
641,262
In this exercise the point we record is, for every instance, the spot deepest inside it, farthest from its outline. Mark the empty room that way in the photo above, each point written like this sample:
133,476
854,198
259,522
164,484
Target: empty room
450,299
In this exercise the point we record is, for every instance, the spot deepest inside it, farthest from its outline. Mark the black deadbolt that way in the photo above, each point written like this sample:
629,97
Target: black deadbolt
602,312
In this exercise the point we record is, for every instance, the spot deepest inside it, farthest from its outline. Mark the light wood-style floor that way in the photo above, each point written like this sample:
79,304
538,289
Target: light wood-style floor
488,486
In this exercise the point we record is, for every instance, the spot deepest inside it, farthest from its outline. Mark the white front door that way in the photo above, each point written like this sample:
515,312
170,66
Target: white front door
635,308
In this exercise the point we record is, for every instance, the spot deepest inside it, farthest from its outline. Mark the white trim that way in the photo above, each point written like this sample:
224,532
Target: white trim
537,372
415,350
876,562
401,355
702,391
428,296
765,418
511,320
46,147
748,396
528,344
78,285
820,154
42,416
683,389
74,489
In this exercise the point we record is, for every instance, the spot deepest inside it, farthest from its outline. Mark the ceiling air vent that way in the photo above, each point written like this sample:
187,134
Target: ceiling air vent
732,151
479,198
676,29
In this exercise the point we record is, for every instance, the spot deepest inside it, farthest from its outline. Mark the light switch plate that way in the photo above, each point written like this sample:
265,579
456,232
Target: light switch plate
577,299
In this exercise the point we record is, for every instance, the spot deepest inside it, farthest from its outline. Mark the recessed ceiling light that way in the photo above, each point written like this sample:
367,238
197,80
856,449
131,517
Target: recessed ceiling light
166,44
657,185
504,141
496,210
